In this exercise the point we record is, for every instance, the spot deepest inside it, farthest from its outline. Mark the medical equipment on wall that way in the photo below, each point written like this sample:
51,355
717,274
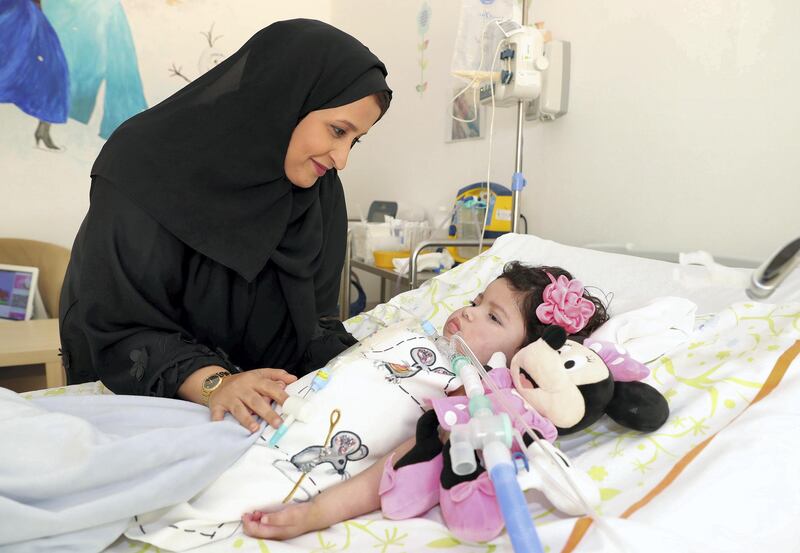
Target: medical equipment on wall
532,69
553,102
521,64
517,62
472,209
478,35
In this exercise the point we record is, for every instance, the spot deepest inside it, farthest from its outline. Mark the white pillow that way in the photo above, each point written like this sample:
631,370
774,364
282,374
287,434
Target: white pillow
623,282
633,281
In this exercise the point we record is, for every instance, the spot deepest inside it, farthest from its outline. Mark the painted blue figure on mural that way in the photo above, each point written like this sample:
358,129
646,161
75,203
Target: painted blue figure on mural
33,72
98,46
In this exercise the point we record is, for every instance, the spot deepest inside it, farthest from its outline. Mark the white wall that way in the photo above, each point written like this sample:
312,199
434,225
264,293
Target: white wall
682,132
46,193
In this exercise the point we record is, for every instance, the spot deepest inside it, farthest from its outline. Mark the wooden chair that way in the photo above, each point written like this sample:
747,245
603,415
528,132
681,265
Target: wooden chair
51,260
42,336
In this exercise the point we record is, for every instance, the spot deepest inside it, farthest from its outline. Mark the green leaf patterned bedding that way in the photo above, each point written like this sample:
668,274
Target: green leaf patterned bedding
745,353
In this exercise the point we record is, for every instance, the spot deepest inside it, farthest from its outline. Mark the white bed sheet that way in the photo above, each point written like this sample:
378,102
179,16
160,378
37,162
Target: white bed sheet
743,489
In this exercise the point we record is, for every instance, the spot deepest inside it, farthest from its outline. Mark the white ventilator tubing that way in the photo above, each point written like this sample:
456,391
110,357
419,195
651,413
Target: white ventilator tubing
574,488
473,385
465,350
491,433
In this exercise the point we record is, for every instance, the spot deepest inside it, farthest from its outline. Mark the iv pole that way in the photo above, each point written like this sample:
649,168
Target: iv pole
518,180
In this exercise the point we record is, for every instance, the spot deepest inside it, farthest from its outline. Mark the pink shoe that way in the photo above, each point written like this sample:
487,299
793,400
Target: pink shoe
470,510
411,490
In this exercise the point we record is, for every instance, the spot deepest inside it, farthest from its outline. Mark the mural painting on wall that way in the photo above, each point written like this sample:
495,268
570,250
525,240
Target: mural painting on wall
59,52
210,56
423,24
33,73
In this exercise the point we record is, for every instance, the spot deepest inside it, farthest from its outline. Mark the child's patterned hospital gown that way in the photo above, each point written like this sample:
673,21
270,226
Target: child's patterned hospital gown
379,387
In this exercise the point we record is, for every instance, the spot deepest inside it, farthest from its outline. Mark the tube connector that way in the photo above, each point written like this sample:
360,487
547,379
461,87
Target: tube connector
282,429
479,404
320,380
297,407
487,432
462,452
428,328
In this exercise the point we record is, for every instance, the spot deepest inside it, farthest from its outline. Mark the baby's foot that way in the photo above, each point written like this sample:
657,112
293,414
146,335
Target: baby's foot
282,525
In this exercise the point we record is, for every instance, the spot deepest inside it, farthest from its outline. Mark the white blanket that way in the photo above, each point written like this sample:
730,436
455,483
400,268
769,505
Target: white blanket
739,494
377,387
653,330
77,469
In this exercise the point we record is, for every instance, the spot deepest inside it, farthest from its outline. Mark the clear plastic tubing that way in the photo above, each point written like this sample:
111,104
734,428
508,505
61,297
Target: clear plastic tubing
490,433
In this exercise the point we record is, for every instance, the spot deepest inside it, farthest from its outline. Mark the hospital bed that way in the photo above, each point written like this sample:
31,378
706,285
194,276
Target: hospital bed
721,474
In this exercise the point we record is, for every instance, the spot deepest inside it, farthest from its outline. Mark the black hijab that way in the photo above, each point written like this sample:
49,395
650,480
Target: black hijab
207,162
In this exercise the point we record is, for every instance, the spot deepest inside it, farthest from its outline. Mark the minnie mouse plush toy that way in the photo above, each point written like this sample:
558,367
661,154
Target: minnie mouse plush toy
558,387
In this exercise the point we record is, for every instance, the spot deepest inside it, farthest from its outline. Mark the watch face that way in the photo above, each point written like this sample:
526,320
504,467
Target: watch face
211,382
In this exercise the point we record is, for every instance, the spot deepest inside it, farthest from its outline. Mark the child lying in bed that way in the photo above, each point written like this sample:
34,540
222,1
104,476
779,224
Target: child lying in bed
508,315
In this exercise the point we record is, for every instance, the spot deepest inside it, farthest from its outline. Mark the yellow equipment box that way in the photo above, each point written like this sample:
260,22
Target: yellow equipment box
470,212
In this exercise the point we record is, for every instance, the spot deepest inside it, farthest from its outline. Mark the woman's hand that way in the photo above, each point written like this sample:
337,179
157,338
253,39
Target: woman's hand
248,393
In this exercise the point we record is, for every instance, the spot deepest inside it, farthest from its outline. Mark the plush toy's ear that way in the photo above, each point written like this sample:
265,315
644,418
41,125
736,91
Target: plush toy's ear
638,406
554,336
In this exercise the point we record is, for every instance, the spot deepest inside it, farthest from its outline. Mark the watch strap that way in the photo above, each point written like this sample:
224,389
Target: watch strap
205,393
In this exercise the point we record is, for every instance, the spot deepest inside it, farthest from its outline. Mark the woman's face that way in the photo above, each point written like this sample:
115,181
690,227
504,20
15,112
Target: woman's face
323,139
492,322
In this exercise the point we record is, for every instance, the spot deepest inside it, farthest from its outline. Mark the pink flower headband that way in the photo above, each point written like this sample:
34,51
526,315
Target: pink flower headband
564,304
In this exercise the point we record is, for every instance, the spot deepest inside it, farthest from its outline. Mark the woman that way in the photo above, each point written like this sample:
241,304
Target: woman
215,237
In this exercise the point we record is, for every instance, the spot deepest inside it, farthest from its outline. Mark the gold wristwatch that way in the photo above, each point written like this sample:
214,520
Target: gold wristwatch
211,383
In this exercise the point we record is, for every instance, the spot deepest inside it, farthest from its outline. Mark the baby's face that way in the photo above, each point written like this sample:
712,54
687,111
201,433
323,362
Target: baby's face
492,322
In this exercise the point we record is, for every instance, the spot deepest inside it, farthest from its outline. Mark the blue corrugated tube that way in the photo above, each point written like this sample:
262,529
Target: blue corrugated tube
519,525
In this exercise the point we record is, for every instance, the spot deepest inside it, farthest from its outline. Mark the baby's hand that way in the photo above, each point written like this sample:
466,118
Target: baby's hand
281,525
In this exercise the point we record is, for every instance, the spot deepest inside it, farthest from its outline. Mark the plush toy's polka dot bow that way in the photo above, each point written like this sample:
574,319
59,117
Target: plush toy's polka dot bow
621,365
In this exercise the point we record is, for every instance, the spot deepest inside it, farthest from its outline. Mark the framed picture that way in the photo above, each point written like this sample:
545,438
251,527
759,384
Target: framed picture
467,108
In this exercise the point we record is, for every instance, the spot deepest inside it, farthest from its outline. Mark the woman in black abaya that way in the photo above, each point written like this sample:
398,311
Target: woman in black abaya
214,242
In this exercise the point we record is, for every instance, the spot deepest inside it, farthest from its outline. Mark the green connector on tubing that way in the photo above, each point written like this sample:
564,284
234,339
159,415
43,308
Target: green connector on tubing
507,429
457,362
477,403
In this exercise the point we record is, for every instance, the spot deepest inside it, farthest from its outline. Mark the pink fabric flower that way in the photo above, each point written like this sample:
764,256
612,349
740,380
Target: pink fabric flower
564,305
